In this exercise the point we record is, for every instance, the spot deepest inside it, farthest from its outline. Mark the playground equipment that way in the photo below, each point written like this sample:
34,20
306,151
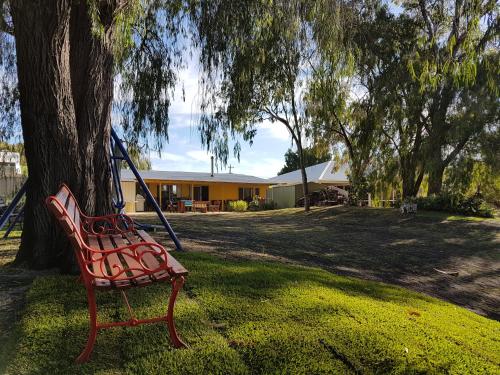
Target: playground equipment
118,153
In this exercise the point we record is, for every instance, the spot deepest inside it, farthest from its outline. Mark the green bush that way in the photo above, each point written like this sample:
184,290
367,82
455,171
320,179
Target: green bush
260,205
238,206
456,203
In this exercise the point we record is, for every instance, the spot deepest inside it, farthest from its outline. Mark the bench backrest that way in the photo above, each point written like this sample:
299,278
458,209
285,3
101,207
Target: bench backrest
64,207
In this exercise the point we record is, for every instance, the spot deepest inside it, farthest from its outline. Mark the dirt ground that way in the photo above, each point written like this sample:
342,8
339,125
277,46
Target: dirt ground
375,244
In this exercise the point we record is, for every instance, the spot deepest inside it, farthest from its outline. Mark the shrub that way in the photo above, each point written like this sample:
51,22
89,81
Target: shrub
238,206
456,203
261,205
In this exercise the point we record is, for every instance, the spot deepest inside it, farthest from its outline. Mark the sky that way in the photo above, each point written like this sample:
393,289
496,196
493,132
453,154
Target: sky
184,151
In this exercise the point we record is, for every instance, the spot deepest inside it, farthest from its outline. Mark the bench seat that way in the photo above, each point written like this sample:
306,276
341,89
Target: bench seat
106,267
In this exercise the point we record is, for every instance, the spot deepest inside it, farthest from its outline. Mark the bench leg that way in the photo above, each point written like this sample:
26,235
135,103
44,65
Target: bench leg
177,284
84,356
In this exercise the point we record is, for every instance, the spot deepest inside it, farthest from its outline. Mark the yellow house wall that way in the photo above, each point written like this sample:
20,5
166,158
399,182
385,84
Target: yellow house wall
128,189
216,190
229,191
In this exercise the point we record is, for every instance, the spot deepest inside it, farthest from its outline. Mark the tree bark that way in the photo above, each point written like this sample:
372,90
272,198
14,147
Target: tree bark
305,185
91,60
435,179
435,164
65,75
48,123
408,180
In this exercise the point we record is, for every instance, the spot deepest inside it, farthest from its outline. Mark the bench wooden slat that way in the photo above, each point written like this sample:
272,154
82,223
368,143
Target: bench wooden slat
77,218
62,196
149,259
114,259
132,263
177,268
96,269
71,208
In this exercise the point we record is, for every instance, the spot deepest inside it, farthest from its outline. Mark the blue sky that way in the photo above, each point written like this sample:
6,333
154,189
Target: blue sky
185,153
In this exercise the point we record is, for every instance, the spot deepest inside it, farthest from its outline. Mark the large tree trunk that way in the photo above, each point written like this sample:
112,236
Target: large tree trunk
48,122
435,179
65,85
305,185
408,182
92,84
435,167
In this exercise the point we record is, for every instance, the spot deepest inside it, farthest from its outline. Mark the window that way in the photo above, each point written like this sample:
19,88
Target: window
200,193
257,192
245,194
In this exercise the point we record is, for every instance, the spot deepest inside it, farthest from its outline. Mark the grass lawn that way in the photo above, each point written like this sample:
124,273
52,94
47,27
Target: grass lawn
374,244
241,316
251,306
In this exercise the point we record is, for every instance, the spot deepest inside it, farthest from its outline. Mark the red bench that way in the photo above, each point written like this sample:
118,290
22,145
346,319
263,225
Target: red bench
111,253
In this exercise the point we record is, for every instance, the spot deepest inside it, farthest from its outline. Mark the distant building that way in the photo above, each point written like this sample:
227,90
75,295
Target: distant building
167,186
10,164
11,178
287,188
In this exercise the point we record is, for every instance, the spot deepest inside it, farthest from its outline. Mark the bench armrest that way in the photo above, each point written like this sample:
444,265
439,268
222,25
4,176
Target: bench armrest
133,255
108,224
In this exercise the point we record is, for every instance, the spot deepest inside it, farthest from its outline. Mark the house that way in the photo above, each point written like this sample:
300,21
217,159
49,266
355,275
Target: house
287,188
11,178
166,186
10,164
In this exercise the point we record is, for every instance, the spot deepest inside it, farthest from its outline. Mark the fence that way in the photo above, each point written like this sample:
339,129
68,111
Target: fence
9,185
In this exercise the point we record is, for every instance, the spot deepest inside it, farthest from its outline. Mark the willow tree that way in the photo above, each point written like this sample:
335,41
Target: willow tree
456,40
340,97
68,54
387,42
256,61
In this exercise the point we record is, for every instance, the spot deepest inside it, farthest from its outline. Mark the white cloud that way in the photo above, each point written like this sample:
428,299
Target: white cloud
188,81
275,130
263,167
199,155
170,156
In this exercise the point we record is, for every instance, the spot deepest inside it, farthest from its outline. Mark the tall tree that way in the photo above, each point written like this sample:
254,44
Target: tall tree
256,62
67,55
341,93
387,42
456,39
258,51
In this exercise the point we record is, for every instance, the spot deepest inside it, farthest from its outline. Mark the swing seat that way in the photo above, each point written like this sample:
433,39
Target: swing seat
112,254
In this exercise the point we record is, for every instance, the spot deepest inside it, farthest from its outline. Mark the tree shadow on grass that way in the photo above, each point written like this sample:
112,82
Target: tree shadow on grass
376,244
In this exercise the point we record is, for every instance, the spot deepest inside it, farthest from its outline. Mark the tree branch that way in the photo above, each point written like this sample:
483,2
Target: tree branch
276,117
493,29
4,26
345,135
456,150
391,139
427,20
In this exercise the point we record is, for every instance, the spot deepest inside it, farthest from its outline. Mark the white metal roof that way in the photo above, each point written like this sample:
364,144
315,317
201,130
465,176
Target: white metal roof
127,175
324,173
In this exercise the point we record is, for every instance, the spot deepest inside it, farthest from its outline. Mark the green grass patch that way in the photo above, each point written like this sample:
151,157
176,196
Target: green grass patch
243,317
454,217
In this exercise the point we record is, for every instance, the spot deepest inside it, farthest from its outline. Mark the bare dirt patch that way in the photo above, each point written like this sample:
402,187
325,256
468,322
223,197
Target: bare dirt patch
375,244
